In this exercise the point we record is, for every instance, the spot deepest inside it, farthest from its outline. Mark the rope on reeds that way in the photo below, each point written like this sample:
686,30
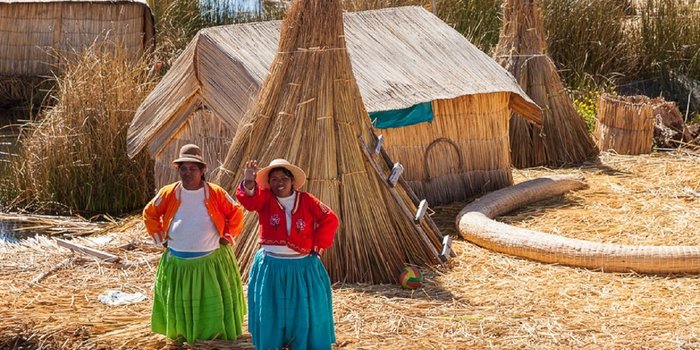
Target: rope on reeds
562,138
475,224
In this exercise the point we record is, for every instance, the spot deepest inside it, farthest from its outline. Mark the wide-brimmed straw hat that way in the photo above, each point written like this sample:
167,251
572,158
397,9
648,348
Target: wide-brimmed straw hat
190,153
263,174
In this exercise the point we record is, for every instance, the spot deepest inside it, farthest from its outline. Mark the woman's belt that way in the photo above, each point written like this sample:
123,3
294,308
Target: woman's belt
285,255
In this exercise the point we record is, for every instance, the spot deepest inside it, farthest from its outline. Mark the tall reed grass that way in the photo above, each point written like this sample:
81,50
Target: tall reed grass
588,40
668,38
74,159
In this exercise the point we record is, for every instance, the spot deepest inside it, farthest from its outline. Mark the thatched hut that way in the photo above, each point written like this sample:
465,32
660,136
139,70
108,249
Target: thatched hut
562,139
407,62
309,111
32,32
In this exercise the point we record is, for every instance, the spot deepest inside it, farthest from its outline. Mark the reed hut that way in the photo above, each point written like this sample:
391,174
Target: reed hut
309,111
562,138
441,104
33,31
626,123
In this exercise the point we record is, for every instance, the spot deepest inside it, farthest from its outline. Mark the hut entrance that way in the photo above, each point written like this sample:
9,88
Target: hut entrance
442,157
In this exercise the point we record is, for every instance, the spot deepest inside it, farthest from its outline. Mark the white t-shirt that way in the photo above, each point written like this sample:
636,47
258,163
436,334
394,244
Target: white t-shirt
192,230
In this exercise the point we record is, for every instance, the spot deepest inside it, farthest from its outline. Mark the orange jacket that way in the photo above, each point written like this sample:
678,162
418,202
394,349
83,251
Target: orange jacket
226,214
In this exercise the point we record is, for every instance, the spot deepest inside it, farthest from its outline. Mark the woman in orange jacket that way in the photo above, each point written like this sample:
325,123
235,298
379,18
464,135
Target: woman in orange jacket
197,293
289,291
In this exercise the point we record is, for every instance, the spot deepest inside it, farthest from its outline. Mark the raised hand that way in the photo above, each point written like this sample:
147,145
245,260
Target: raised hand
251,169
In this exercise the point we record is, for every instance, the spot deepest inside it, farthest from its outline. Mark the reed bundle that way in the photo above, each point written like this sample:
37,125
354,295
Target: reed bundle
463,152
309,111
626,123
484,300
562,139
74,158
49,224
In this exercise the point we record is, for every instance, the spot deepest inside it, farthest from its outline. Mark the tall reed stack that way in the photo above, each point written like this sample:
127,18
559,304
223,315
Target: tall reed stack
562,139
625,124
309,111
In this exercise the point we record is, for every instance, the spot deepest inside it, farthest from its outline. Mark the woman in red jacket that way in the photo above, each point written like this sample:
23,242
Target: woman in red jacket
197,294
289,291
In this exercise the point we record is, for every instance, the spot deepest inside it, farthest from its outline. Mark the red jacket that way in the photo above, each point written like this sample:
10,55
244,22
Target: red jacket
313,223
226,215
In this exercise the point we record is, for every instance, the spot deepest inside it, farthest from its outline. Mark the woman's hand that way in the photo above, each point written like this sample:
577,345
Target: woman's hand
251,169
318,250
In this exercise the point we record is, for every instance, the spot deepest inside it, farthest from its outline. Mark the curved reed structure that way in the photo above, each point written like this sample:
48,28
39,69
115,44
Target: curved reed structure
475,224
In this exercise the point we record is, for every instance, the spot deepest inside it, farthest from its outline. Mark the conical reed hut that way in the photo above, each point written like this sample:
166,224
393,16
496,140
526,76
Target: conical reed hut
309,111
447,123
562,139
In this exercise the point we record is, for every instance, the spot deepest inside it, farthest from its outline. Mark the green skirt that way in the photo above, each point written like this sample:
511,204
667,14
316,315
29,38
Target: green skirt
198,299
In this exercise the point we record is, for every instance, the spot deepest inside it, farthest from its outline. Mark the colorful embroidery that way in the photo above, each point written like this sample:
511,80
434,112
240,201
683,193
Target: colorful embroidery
301,225
274,220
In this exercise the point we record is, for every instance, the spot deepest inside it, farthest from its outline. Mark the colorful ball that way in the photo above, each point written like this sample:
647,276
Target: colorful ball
411,278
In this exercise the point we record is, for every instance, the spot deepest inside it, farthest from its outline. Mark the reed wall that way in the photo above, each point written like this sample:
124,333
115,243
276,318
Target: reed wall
30,33
463,152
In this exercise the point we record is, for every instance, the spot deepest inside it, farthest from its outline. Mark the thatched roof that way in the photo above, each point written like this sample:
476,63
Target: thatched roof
30,31
309,111
562,138
400,57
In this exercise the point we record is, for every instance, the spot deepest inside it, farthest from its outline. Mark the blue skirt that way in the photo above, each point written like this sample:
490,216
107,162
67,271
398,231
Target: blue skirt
290,303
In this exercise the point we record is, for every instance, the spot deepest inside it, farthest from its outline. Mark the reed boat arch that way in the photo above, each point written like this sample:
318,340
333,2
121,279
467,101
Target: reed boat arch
475,223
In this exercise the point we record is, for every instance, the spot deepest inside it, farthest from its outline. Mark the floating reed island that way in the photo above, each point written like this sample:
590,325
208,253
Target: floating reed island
482,299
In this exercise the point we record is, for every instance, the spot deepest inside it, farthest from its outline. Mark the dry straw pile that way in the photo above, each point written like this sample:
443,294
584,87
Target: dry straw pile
482,300
74,157
309,111
563,138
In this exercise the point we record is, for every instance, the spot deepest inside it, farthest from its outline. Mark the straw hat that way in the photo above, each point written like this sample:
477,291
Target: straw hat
190,153
262,177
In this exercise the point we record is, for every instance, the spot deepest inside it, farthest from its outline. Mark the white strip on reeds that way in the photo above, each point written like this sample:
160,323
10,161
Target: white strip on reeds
309,111
563,138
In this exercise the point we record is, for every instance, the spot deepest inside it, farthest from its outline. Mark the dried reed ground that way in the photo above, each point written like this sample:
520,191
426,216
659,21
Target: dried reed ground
482,300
